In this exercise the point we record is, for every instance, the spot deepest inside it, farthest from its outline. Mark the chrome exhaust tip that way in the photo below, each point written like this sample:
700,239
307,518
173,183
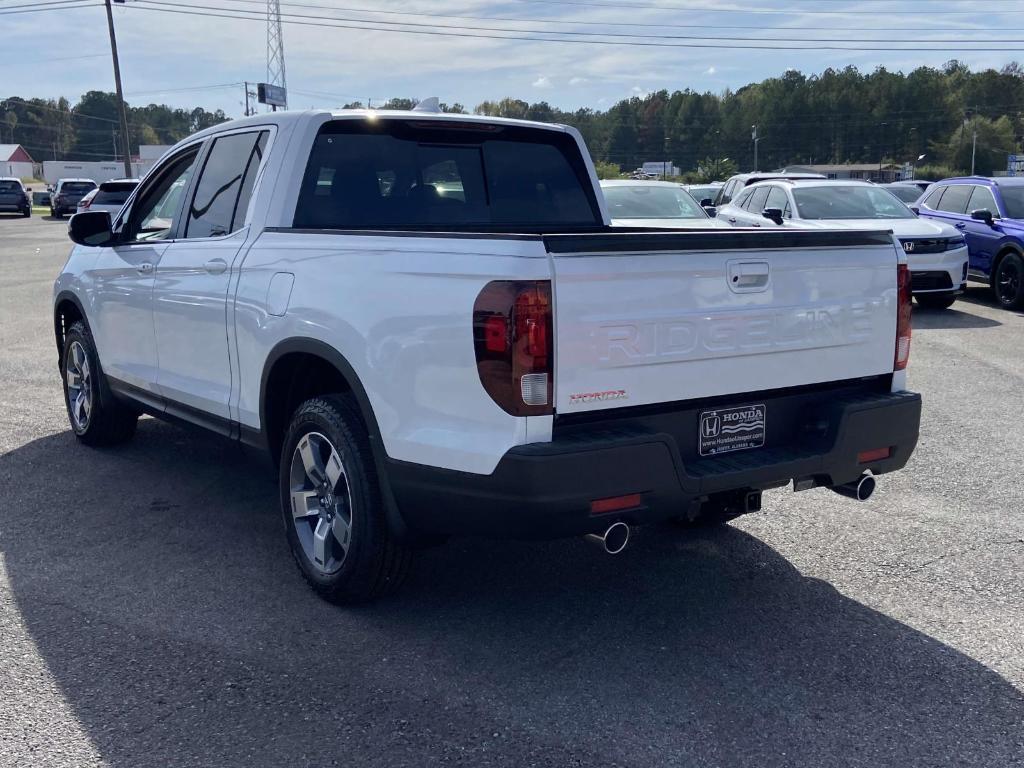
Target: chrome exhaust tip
860,489
613,540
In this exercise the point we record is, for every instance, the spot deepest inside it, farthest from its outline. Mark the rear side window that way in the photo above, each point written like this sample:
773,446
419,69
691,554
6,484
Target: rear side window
445,176
225,185
955,199
725,196
741,201
931,200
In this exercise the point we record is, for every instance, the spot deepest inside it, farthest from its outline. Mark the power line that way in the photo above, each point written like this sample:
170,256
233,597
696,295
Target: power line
580,22
576,33
218,86
715,9
62,5
212,12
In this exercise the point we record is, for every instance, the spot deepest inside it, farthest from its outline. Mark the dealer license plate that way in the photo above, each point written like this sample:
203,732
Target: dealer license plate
731,429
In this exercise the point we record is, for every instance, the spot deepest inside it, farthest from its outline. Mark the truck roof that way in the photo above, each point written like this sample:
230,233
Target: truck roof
294,116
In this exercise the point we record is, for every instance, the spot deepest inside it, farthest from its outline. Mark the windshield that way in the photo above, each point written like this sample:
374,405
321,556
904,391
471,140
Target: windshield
645,201
905,192
849,202
1013,201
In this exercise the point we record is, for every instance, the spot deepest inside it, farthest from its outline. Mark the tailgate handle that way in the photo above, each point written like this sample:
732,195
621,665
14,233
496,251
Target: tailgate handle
748,276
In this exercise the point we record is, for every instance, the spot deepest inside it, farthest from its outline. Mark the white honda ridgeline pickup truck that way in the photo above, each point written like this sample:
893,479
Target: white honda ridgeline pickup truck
429,325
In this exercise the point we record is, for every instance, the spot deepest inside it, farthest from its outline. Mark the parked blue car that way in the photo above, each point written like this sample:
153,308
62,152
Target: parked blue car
990,213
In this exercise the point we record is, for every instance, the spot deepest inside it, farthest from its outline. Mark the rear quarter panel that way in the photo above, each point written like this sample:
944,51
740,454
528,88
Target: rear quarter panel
399,309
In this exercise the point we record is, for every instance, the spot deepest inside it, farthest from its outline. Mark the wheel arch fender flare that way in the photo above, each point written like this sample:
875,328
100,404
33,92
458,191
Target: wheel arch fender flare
1007,245
326,352
61,298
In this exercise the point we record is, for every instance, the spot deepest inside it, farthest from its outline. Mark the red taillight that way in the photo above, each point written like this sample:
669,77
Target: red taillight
904,298
512,339
85,203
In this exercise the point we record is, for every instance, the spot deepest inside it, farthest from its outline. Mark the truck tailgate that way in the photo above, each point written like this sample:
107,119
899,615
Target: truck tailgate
652,317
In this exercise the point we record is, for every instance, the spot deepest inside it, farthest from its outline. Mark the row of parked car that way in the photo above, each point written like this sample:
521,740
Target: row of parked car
953,230
68,196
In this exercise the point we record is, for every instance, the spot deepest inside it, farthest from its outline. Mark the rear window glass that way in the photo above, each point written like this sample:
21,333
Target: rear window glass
114,193
77,187
428,175
10,186
905,192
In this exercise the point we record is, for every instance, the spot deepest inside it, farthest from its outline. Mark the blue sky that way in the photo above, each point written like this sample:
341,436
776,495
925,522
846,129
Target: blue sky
65,52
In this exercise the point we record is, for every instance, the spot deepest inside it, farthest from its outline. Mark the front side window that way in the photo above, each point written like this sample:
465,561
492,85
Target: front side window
849,202
398,174
955,199
982,199
225,185
756,201
156,208
646,201
776,199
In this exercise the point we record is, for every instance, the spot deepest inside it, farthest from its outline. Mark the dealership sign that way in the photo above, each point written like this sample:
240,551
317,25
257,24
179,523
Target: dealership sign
274,95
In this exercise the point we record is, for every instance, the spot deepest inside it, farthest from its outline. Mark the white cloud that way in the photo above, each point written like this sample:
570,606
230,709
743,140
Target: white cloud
636,90
542,82
710,71
578,81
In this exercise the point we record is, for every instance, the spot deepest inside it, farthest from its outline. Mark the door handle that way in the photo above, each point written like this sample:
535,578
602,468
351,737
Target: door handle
144,268
960,225
732,220
215,266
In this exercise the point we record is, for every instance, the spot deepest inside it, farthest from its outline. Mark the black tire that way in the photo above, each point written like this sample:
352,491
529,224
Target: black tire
58,214
375,562
108,420
27,213
1008,281
935,300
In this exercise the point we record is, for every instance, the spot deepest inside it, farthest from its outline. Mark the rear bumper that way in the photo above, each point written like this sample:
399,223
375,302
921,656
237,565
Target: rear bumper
544,490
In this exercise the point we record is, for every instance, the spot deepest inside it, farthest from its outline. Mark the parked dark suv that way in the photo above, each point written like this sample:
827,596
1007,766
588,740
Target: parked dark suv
14,198
990,213
67,194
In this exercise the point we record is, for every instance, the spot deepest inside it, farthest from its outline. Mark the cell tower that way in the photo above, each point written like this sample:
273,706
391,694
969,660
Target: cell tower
275,45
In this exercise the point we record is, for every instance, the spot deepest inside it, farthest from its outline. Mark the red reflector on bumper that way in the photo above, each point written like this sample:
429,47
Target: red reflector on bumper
614,504
875,454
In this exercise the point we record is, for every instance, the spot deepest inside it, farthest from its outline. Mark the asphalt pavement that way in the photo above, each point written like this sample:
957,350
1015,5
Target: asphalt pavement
151,615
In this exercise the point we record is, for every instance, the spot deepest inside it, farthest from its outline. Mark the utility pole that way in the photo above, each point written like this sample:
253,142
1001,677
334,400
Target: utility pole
125,147
974,147
756,139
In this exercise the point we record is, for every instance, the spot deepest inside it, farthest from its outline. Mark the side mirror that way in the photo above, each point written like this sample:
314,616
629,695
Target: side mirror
706,202
774,214
91,228
916,209
710,210
982,214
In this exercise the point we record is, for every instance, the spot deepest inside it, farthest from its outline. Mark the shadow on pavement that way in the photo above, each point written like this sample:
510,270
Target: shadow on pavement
158,588
941,319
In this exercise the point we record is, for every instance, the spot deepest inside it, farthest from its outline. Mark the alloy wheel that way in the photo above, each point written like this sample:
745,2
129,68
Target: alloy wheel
80,392
321,502
1008,281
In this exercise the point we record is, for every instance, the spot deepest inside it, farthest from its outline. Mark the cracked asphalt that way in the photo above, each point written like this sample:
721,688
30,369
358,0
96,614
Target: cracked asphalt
150,614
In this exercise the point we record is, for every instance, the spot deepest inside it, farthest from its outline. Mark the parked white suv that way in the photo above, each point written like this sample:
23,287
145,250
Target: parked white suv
936,252
428,324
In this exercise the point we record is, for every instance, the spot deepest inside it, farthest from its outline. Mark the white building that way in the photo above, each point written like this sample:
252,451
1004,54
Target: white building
661,167
148,155
98,171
